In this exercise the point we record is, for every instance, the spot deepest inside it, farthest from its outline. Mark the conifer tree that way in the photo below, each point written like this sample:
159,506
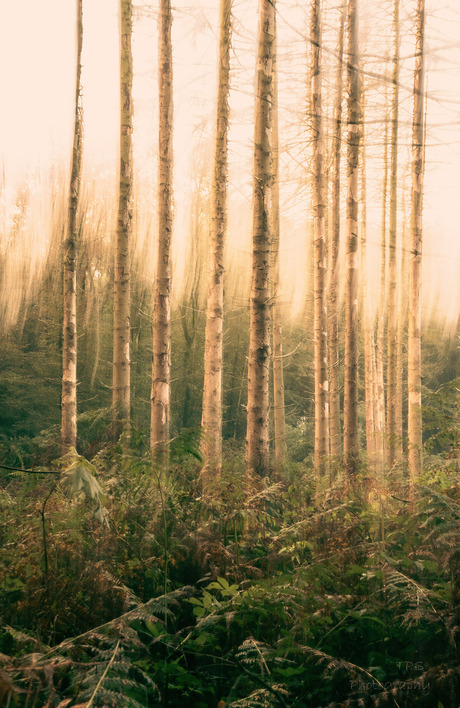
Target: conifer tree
211,444
350,439
367,320
259,311
279,417
393,434
122,277
319,240
161,366
69,329
415,450
333,285
380,421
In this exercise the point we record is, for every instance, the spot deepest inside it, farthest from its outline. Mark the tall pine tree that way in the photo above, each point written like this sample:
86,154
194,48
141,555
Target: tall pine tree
211,421
161,365
122,278
69,329
259,310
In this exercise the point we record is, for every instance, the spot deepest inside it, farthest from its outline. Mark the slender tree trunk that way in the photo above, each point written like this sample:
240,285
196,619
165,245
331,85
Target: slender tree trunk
333,289
278,372
368,325
242,381
160,396
259,311
380,442
97,334
392,433
415,450
350,440
188,361
122,279
211,420
69,329
319,240
402,323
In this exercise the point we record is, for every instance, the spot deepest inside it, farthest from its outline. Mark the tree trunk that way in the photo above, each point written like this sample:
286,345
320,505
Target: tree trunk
350,439
392,433
319,240
122,278
187,364
259,311
402,324
278,373
211,421
415,456
69,329
368,325
334,394
97,333
380,442
160,396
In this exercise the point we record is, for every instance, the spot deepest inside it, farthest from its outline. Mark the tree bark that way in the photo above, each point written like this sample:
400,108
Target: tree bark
259,311
122,278
415,450
368,325
211,421
350,440
333,289
278,369
319,241
69,328
392,333
402,324
161,366
380,442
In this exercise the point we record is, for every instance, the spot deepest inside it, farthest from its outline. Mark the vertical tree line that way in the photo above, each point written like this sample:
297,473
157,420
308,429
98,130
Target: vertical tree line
122,267
161,367
69,328
383,423
319,241
334,263
415,449
393,434
259,310
279,416
367,319
213,356
381,441
350,432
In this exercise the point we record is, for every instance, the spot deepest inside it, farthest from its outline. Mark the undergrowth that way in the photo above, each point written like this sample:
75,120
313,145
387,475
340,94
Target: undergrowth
151,596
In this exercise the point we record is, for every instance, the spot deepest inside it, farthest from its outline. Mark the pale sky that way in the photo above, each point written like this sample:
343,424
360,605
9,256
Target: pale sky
37,54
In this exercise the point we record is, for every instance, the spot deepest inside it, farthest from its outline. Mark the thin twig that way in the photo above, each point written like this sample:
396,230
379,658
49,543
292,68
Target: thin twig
19,469
404,501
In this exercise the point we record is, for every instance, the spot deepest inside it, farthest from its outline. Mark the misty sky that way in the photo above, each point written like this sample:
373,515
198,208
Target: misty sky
37,53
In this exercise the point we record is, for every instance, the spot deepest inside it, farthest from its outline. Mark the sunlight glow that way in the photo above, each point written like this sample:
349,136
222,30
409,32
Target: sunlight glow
37,47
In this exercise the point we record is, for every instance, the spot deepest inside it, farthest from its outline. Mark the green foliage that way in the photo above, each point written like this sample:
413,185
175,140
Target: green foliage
302,593
79,480
269,600
441,412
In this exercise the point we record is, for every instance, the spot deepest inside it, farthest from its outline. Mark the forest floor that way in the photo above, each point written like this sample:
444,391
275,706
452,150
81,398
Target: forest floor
121,586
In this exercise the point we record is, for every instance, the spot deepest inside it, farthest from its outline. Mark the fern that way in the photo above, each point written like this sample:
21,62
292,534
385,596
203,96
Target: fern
262,698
